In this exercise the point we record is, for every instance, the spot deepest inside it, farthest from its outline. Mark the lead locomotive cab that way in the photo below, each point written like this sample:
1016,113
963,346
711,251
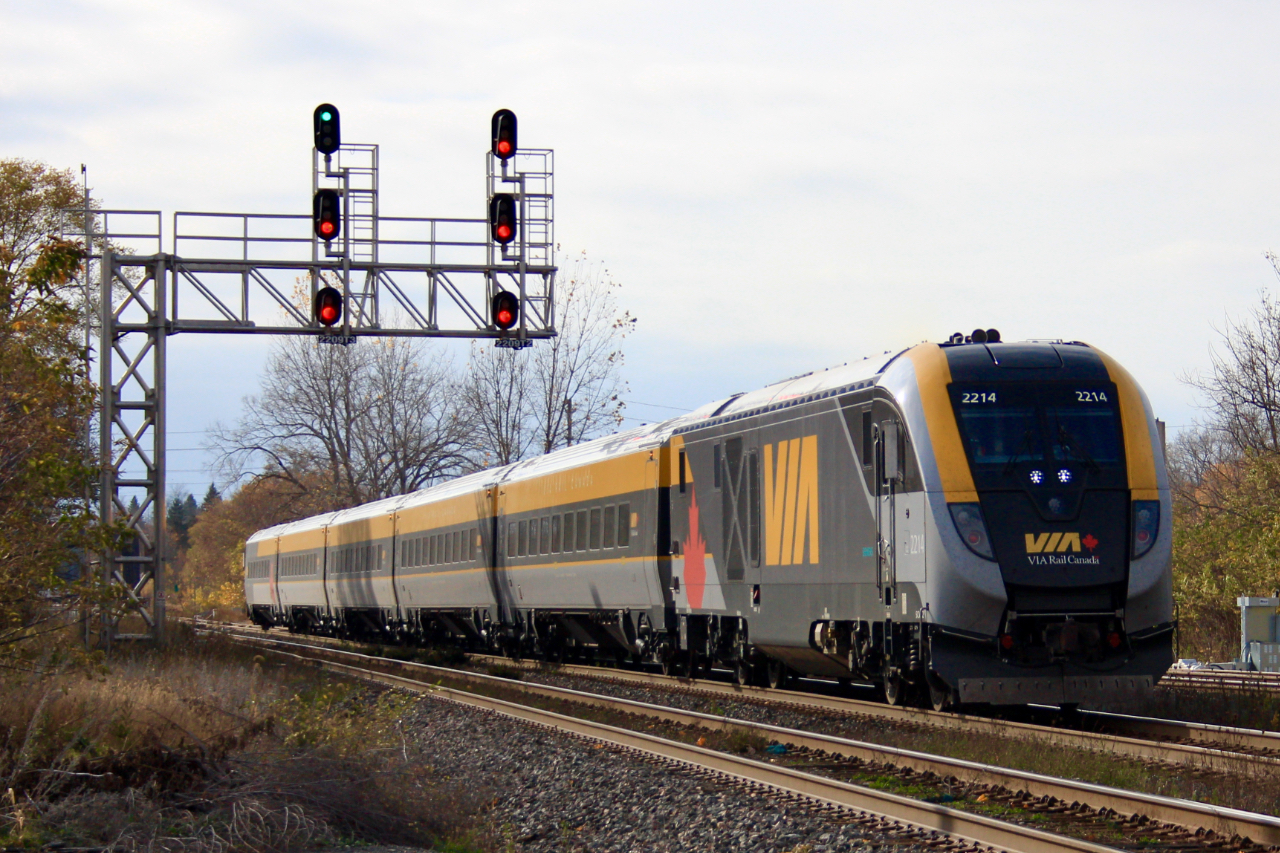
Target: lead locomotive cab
1044,436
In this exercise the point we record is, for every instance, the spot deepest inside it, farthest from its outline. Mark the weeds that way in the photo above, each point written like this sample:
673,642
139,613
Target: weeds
502,670
209,748
746,742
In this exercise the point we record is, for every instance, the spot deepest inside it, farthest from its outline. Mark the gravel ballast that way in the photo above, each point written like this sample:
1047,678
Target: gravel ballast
556,792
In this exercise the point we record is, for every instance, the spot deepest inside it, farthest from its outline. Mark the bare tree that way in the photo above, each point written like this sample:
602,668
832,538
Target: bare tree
1243,381
366,421
576,378
497,400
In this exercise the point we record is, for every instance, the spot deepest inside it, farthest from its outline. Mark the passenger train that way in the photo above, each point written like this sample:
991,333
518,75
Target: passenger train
967,522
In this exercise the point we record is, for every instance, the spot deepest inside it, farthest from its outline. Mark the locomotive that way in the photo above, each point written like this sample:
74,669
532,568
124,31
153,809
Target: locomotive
968,522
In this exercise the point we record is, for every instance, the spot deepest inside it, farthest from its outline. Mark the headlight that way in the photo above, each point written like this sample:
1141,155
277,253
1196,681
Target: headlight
972,530
1146,526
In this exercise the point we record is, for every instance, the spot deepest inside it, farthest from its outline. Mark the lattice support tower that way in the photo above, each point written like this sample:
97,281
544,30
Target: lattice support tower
242,273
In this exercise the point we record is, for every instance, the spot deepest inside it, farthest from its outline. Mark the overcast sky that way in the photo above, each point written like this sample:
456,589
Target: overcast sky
779,187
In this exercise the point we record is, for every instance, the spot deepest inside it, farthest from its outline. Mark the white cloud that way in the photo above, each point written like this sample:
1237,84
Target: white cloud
773,183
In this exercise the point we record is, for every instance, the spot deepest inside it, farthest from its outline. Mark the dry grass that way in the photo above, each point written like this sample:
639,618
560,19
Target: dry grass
209,748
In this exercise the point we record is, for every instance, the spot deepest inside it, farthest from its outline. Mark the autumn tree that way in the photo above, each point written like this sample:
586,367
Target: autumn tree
47,477
1225,479
213,571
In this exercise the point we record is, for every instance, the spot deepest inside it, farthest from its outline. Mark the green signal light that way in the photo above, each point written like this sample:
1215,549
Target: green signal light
326,115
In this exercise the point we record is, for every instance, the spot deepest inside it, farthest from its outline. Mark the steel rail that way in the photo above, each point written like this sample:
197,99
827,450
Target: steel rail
1261,829
928,817
1138,736
1211,746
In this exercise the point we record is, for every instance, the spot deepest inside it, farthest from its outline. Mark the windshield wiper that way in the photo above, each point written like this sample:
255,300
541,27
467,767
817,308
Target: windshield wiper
1072,444
1014,459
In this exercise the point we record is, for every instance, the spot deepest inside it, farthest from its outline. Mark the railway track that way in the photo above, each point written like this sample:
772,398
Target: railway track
1187,825
1173,743
1222,679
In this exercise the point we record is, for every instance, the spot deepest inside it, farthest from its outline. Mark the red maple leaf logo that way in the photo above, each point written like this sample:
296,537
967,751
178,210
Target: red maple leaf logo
1090,542
695,556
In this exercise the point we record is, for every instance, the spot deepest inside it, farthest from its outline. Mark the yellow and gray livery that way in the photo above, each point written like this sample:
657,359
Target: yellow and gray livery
967,522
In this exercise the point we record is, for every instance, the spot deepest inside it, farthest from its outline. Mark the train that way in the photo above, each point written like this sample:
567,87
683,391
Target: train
966,522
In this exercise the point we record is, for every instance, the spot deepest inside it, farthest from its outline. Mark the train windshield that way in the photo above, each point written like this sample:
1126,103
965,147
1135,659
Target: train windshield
1005,426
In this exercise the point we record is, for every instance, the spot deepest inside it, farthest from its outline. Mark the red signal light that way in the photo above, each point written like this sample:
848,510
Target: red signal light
326,215
1114,639
503,144
506,310
502,218
1006,641
328,308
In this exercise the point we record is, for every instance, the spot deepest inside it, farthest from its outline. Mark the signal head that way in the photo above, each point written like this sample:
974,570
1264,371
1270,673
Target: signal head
328,307
328,133
506,310
503,221
326,215
503,144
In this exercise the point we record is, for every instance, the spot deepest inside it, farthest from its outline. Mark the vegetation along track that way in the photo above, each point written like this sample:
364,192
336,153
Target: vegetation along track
1186,825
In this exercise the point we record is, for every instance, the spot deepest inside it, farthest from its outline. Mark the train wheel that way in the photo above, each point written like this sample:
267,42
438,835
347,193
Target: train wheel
776,675
895,689
741,672
940,696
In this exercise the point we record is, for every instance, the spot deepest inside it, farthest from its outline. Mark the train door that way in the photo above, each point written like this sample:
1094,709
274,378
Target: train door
503,584
273,577
643,534
326,571
739,479
888,480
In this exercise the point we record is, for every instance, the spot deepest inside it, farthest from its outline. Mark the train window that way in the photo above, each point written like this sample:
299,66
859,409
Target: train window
580,531
404,553
415,551
610,522
1084,434
511,539
624,525
594,523
544,546
474,539
868,440
753,507
682,472
453,546
715,466
568,532
522,547
555,534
